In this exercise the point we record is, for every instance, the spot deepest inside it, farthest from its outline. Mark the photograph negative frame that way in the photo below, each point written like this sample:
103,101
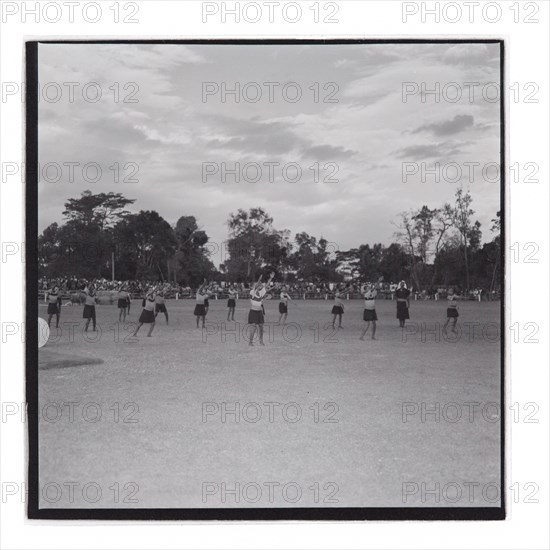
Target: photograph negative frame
300,511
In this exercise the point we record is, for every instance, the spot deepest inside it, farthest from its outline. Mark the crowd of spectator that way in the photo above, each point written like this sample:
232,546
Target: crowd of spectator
72,287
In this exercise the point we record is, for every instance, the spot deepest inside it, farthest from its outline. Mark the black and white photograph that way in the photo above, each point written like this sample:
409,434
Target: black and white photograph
268,277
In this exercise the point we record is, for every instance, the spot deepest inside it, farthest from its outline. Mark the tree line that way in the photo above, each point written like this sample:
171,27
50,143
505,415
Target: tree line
440,246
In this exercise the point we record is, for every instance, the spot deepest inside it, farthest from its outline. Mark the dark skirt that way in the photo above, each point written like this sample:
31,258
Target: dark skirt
89,312
452,312
369,315
160,308
283,308
53,309
146,316
402,310
122,303
200,310
337,310
231,302
255,317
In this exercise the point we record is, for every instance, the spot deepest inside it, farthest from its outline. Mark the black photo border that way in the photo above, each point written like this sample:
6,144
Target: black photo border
228,514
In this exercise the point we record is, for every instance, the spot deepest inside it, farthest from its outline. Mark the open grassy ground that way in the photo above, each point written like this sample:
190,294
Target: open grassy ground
322,418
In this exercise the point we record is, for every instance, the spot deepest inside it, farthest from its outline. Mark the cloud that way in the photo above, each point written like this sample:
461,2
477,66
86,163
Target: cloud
469,54
171,131
448,127
430,150
251,136
328,152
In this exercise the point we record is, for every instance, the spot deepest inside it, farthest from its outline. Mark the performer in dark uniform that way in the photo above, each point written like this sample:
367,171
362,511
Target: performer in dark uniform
200,308
209,294
148,313
452,311
123,297
231,304
338,308
283,305
402,295
369,313
258,293
160,305
89,306
54,306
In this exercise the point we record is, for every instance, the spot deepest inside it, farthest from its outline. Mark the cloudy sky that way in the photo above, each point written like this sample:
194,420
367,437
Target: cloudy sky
364,136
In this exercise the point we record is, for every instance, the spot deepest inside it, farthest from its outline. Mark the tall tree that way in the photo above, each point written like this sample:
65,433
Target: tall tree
73,248
102,209
254,244
423,221
414,229
145,241
494,256
369,259
394,264
49,251
442,223
83,245
312,259
192,259
466,230
423,233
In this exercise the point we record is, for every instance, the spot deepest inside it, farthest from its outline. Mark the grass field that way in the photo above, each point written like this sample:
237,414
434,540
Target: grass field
151,425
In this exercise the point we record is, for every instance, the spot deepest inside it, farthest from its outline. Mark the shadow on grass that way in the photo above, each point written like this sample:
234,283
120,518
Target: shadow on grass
50,360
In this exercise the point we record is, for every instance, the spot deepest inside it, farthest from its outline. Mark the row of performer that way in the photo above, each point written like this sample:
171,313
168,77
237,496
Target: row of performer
154,303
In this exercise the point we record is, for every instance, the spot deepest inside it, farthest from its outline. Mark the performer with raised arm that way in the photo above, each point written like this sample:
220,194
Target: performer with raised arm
402,294
258,293
283,305
231,303
128,301
200,308
90,300
338,307
54,305
123,297
369,313
209,293
452,311
160,305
